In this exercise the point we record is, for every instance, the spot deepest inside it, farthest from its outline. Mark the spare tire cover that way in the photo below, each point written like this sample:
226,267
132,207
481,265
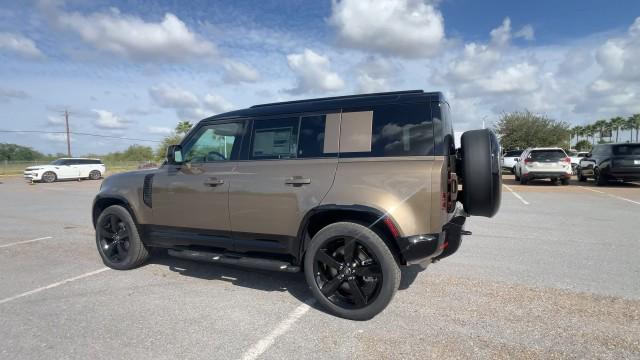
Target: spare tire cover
481,176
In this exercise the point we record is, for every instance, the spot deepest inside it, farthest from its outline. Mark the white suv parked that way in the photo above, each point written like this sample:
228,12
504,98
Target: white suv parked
66,168
543,163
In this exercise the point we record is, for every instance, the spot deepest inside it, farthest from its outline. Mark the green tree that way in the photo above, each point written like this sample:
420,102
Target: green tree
601,127
616,123
583,145
14,152
183,127
590,131
576,131
522,129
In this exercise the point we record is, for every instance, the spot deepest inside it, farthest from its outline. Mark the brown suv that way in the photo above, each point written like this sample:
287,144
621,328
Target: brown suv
347,189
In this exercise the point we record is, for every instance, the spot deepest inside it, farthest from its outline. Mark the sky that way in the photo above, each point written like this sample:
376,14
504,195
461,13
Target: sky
135,68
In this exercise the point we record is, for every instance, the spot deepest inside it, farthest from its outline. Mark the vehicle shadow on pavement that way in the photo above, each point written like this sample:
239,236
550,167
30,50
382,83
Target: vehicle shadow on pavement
262,280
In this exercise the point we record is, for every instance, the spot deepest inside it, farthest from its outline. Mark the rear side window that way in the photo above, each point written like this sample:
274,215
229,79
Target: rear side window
312,132
514,153
274,139
547,155
399,130
632,149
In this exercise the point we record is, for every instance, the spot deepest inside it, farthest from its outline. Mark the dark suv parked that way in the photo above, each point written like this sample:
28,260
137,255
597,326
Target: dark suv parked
346,189
607,162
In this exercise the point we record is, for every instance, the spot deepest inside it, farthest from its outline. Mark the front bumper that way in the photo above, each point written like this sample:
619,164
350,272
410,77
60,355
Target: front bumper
419,248
32,175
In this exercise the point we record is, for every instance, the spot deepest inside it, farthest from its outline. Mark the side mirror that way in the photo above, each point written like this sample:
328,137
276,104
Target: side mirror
174,155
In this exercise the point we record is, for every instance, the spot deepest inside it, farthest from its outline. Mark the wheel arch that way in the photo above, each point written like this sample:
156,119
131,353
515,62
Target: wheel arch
102,202
381,223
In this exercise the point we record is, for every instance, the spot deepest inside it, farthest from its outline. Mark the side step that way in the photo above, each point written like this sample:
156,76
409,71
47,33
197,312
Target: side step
236,259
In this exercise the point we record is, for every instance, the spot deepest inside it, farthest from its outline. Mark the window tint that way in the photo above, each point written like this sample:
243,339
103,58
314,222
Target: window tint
312,136
513,153
219,142
274,139
547,155
399,130
627,149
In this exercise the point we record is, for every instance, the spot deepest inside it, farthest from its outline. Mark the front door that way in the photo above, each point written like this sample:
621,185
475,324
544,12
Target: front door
289,169
191,200
69,170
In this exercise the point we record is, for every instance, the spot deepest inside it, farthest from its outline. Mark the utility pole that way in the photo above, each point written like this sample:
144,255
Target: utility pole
66,120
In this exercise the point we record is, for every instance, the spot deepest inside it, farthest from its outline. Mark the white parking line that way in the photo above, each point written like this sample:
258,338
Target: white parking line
30,292
613,196
516,195
265,343
25,241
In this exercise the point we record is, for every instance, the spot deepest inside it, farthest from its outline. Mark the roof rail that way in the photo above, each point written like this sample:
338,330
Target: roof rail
348,97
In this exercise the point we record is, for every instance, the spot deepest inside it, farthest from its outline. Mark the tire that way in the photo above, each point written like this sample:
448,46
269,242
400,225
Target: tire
95,175
600,180
564,181
124,251
376,274
581,177
481,173
516,176
523,181
49,177
513,170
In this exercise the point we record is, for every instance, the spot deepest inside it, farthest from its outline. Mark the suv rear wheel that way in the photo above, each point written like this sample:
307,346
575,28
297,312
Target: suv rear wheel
95,175
118,241
351,271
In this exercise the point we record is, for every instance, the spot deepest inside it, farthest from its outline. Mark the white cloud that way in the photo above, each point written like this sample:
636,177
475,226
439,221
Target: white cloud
134,38
159,130
55,120
376,74
8,94
20,45
502,34
313,73
526,32
217,103
237,72
407,28
108,120
172,97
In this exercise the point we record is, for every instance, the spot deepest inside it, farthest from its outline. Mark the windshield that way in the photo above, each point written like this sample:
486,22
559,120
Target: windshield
58,162
547,155
631,149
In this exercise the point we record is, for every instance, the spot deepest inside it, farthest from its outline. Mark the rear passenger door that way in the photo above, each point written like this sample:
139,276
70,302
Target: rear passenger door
288,167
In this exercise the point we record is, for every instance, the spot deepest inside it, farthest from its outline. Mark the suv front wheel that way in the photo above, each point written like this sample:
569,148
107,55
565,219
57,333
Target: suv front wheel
118,241
351,271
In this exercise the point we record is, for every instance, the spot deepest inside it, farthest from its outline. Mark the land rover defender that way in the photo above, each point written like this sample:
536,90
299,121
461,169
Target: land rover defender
346,189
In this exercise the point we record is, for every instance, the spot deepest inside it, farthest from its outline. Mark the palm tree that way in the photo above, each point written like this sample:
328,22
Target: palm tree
635,122
628,125
183,127
599,127
590,131
616,123
575,131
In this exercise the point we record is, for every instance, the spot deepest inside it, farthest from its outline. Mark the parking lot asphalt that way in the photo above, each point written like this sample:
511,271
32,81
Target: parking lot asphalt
554,274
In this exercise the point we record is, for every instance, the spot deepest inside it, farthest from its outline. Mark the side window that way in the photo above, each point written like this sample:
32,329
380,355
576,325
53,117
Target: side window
312,137
274,139
213,143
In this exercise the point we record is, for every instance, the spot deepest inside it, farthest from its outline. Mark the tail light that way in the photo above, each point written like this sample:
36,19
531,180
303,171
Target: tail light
567,160
528,161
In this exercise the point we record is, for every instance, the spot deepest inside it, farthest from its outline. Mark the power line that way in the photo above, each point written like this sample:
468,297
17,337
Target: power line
78,133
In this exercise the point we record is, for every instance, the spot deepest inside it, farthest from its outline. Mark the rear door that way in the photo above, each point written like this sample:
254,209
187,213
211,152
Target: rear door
70,169
289,167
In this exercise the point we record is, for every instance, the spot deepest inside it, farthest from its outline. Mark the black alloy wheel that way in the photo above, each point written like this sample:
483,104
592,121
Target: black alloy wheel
94,175
117,239
351,271
114,238
346,273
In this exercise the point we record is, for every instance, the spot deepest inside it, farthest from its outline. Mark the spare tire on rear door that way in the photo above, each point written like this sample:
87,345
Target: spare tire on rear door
480,170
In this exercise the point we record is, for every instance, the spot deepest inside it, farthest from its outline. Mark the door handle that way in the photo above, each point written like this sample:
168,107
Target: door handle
214,182
297,181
